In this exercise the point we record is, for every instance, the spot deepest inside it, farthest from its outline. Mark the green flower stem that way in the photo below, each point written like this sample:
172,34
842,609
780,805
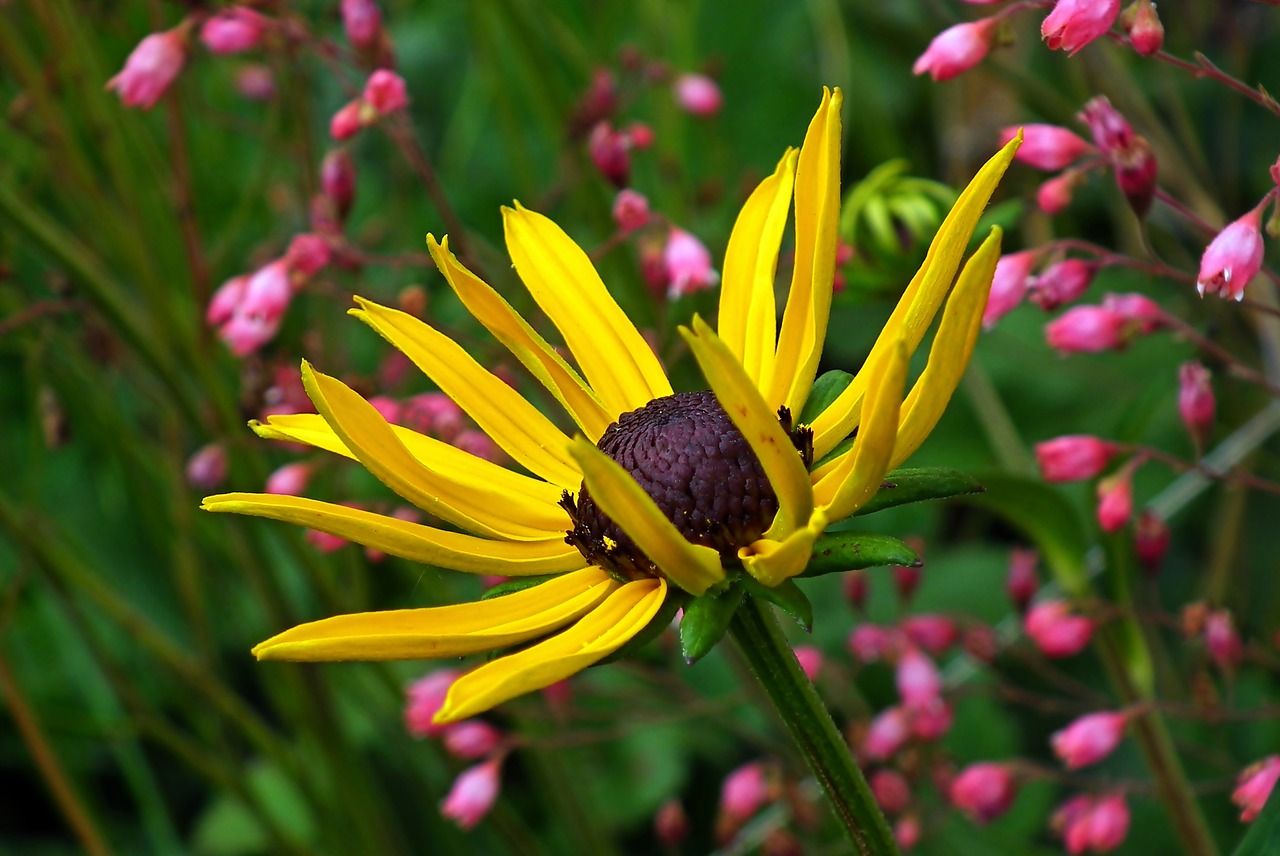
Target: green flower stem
756,631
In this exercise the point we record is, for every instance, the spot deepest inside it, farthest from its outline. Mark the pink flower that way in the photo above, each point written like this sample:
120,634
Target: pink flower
307,255
891,790
150,69
338,180
289,480
698,94
225,301
473,794
933,633
471,739
906,830
479,444
1021,583
268,292
1142,23
1055,631
743,793
1061,283
630,210
610,151
362,22
245,333
423,699
324,542
1115,500
1073,457
1111,131
917,679
256,82
1254,787
1096,825
434,413
1222,640
233,30
870,642
671,824
1089,739
688,264
1074,23
639,135
855,588
1150,541
956,50
1130,156
1138,310
1008,285
1086,329
1047,147
207,467
346,122
385,92
1055,195
984,791
1233,258
810,659
1196,404
388,408
888,732
932,720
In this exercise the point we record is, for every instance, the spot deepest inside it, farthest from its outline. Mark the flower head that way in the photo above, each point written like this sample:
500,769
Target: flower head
151,68
615,517
1074,23
984,791
1254,786
1233,258
956,50
234,30
1089,739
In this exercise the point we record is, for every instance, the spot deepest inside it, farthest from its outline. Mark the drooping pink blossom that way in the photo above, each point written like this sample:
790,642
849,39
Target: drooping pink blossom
225,300
346,123
1130,156
1233,258
630,210
234,30
479,444
1150,541
888,732
744,792
890,789
671,824
207,467
338,180
1140,312
423,700
1047,147
1073,457
956,50
810,659
931,720
856,588
307,255
471,739
984,791
256,81
906,829
1254,787
1196,405
1086,329
386,92
1022,582
917,678
434,413
289,480
1222,640
610,151
1061,283
268,291
871,642
698,94
1115,500
1008,285
473,794
1075,23
362,22
1098,826
1055,630
688,264
151,68
932,632
1089,739
1055,195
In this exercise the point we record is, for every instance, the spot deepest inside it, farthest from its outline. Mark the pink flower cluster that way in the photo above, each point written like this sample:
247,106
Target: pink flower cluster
384,93
1090,824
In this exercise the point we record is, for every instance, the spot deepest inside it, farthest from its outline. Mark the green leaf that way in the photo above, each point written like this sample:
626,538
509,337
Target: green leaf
835,552
825,390
1263,838
516,584
917,484
788,597
705,621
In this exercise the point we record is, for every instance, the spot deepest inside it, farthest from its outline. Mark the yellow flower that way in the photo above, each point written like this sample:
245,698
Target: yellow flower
630,551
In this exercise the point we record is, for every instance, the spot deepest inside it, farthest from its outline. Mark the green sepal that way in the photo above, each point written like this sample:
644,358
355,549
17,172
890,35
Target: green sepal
787,596
706,619
660,622
917,484
835,552
825,390
516,584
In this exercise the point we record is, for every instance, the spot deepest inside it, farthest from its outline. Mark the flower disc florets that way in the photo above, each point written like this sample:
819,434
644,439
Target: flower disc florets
691,459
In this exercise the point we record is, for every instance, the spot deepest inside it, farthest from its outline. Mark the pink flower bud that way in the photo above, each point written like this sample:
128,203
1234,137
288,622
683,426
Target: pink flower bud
1089,739
890,790
1222,640
362,22
246,333
1054,195
1008,285
307,255
906,830
598,103
698,94
1195,401
1021,583
1047,147
1110,130
225,301
324,542
473,794
1233,258
1142,23
888,733
906,579
611,153
1055,631
338,180
1073,457
346,122
1086,329
956,50
856,588
671,824
268,292
1074,23
984,791
630,210
639,135
1138,310
1100,828
933,633
1254,787
233,30
810,659
471,739
289,480
931,720
1115,500
870,642
479,444
388,408
917,679
423,700
1130,155
207,467
688,265
150,69
434,413
256,82
385,92
1150,541
559,695
1061,283
743,793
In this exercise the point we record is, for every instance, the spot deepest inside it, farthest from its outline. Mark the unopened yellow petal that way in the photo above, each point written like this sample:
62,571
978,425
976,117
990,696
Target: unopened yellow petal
691,566
804,321
774,562
482,512
620,366
920,301
597,634
444,631
413,541
952,347
523,342
513,423
748,319
759,424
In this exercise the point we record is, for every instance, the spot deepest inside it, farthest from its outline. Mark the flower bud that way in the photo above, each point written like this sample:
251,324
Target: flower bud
1021,583
225,301
307,255
1233,258
324,541
423,700
891,790
1098,826
434,413
1139,312
1047,147
471,739
233,30
207,467
698,94
1130,155
639,135
743,793
906,830
1073,457
338,180
931,720
256,82
956,50
630,210
1075,23
688,265
1195,402
362,22
151,68
1054,195
610,151
388,408
933,633
1055,631
1115,500
1089,739
870,643
479,444
810,659
1222,640
289,480
984,791
268,291
917,679
888,733
1150,541
1254,787
856,588
385,92
346,122
1085,330
671,824
1142,23
1061,283
1008,285
473,794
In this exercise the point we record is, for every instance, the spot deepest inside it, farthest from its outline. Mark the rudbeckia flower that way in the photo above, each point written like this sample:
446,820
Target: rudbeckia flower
658,495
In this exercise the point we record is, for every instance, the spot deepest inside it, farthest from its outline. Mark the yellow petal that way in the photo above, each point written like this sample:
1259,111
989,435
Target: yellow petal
363,430
443,631
857,478
597,634
538,498
523,342
513,423
920,301
774,562
620,366
413,541
743,403
748,319
952,347
693,567
804,321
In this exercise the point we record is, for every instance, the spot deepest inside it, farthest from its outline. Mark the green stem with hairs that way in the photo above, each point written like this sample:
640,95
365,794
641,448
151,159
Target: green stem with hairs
756,631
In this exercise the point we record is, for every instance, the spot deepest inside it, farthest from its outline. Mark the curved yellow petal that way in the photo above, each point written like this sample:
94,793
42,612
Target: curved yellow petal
952,347
463,468
513,423
597,634
743,403
859,475
804,321
919,303
773,562
413,541
443,631
523,342
615,359
363,430
748,318
693,567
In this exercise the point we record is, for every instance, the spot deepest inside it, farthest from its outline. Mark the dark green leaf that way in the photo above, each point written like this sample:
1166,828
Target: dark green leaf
835,552
705,621
917,484
788,597
825,390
